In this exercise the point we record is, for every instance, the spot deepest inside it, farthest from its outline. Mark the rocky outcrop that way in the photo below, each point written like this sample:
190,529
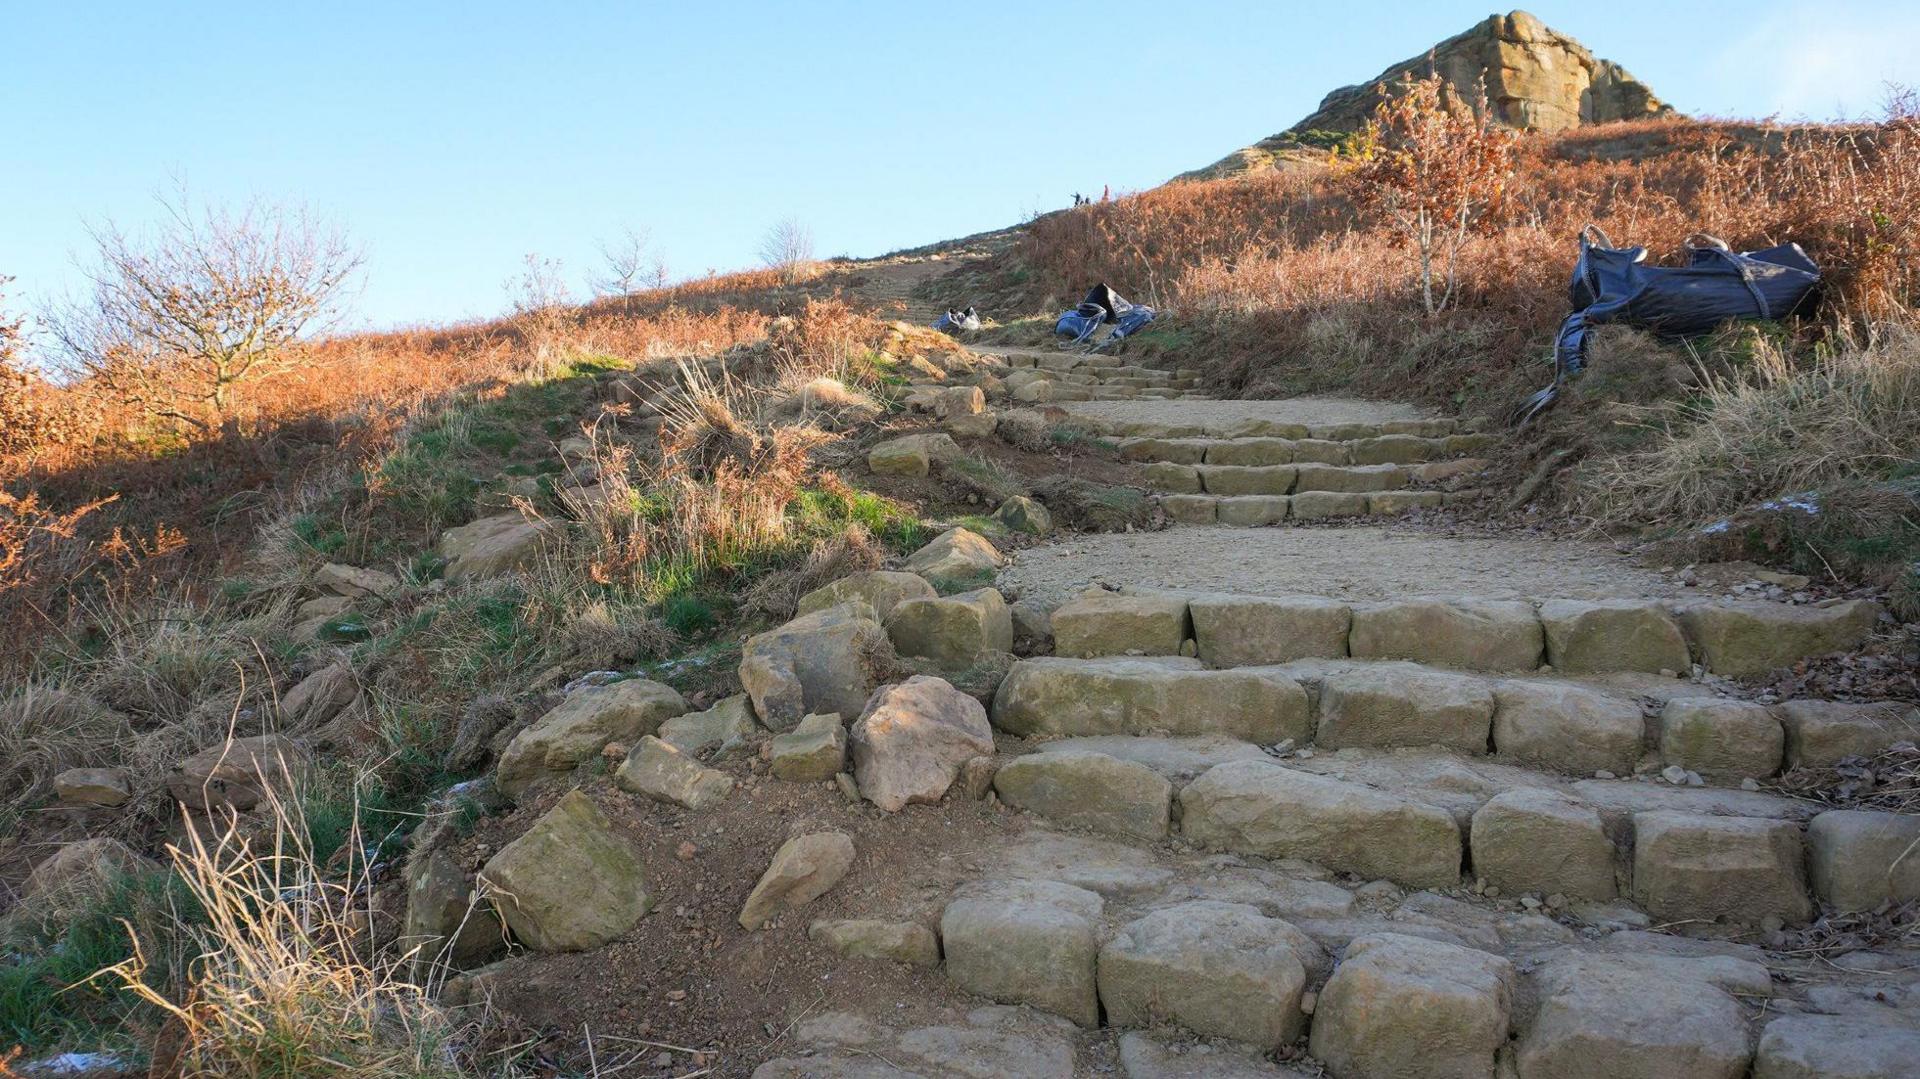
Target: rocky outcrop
1537,79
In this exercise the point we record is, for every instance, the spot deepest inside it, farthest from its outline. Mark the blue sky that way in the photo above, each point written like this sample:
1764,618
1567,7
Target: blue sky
451,140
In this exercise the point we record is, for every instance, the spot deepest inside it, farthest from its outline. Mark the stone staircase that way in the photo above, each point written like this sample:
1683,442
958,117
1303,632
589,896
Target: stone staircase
1047,376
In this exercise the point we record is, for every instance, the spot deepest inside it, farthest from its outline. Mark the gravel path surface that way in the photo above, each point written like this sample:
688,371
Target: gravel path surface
1352,563
1308,410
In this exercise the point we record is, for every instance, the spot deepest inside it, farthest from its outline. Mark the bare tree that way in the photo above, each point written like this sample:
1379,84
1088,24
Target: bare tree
626,259
788,248
179,321
543,310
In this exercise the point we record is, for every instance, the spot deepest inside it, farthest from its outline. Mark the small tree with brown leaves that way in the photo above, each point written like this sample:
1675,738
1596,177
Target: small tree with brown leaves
1437,169
179,322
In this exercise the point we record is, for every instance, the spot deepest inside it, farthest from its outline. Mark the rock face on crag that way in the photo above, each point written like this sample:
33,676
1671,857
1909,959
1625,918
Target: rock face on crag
1537,80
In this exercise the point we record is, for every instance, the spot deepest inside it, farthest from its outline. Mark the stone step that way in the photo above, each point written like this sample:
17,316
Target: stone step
1734,638
1417,818
1263,427
1251,511
1270,450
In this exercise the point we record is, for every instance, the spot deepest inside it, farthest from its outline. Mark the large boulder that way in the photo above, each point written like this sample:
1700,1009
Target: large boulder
570,882
911,455
1029,942
1252,807
952,631
1612,635
1218,969
494,545
912,738
580,726
729,723
445,920
1742,639
956,560
661,772
1405,1006
803,869
1051,696
1744,869
1247,631
237,773
1392,705
1089,790
1532,839
1023,514
1640,1017
1822,733
1860,859
881,589
1567,727
1487,635
827,661
1837,1047
1721,739
1102,623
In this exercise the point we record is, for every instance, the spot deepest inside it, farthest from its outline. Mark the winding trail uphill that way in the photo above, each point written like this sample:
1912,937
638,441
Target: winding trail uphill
1289,786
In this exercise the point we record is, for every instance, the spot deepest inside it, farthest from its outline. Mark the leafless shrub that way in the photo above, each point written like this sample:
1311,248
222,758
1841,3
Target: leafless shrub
629,263
181,321
543,312
787,249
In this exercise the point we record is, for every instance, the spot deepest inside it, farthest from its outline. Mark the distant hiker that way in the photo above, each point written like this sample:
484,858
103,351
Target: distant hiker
1079,200
1106,192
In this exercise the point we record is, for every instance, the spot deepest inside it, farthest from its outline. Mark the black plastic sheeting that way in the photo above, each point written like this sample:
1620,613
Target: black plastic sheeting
1614,284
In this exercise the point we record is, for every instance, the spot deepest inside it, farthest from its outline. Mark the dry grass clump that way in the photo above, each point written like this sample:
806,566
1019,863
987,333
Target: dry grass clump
777,594
1776,428
286,982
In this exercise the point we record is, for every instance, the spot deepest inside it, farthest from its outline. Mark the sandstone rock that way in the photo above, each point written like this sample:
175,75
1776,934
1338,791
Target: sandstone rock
1567,727
1442,471
1088,790
1172,478
1179,451
1821,733
1251,807
802,870
1538,840
1032,627
580,726
1394,449
1741,639
1404,706
955,560
1392,503
1220,969
974,425
1180,760
1249,451
494,545
1354,479
1247,631
1050,696
1026,942
354,581
1145,1057
1860,859
1245,479
913,737
1253,511
1102,623
84,867
1612,635
865,938
1487,635
664,774
880,589
1191,509
911,455
571,882
445,921
1739,868
813,752
730,721
953,631
1536,79
107,787
1721,739
960,401
318,697
1836,1047
1640,1017
237,773
827,661
316,614
1023,514
1403,1006
1319,451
